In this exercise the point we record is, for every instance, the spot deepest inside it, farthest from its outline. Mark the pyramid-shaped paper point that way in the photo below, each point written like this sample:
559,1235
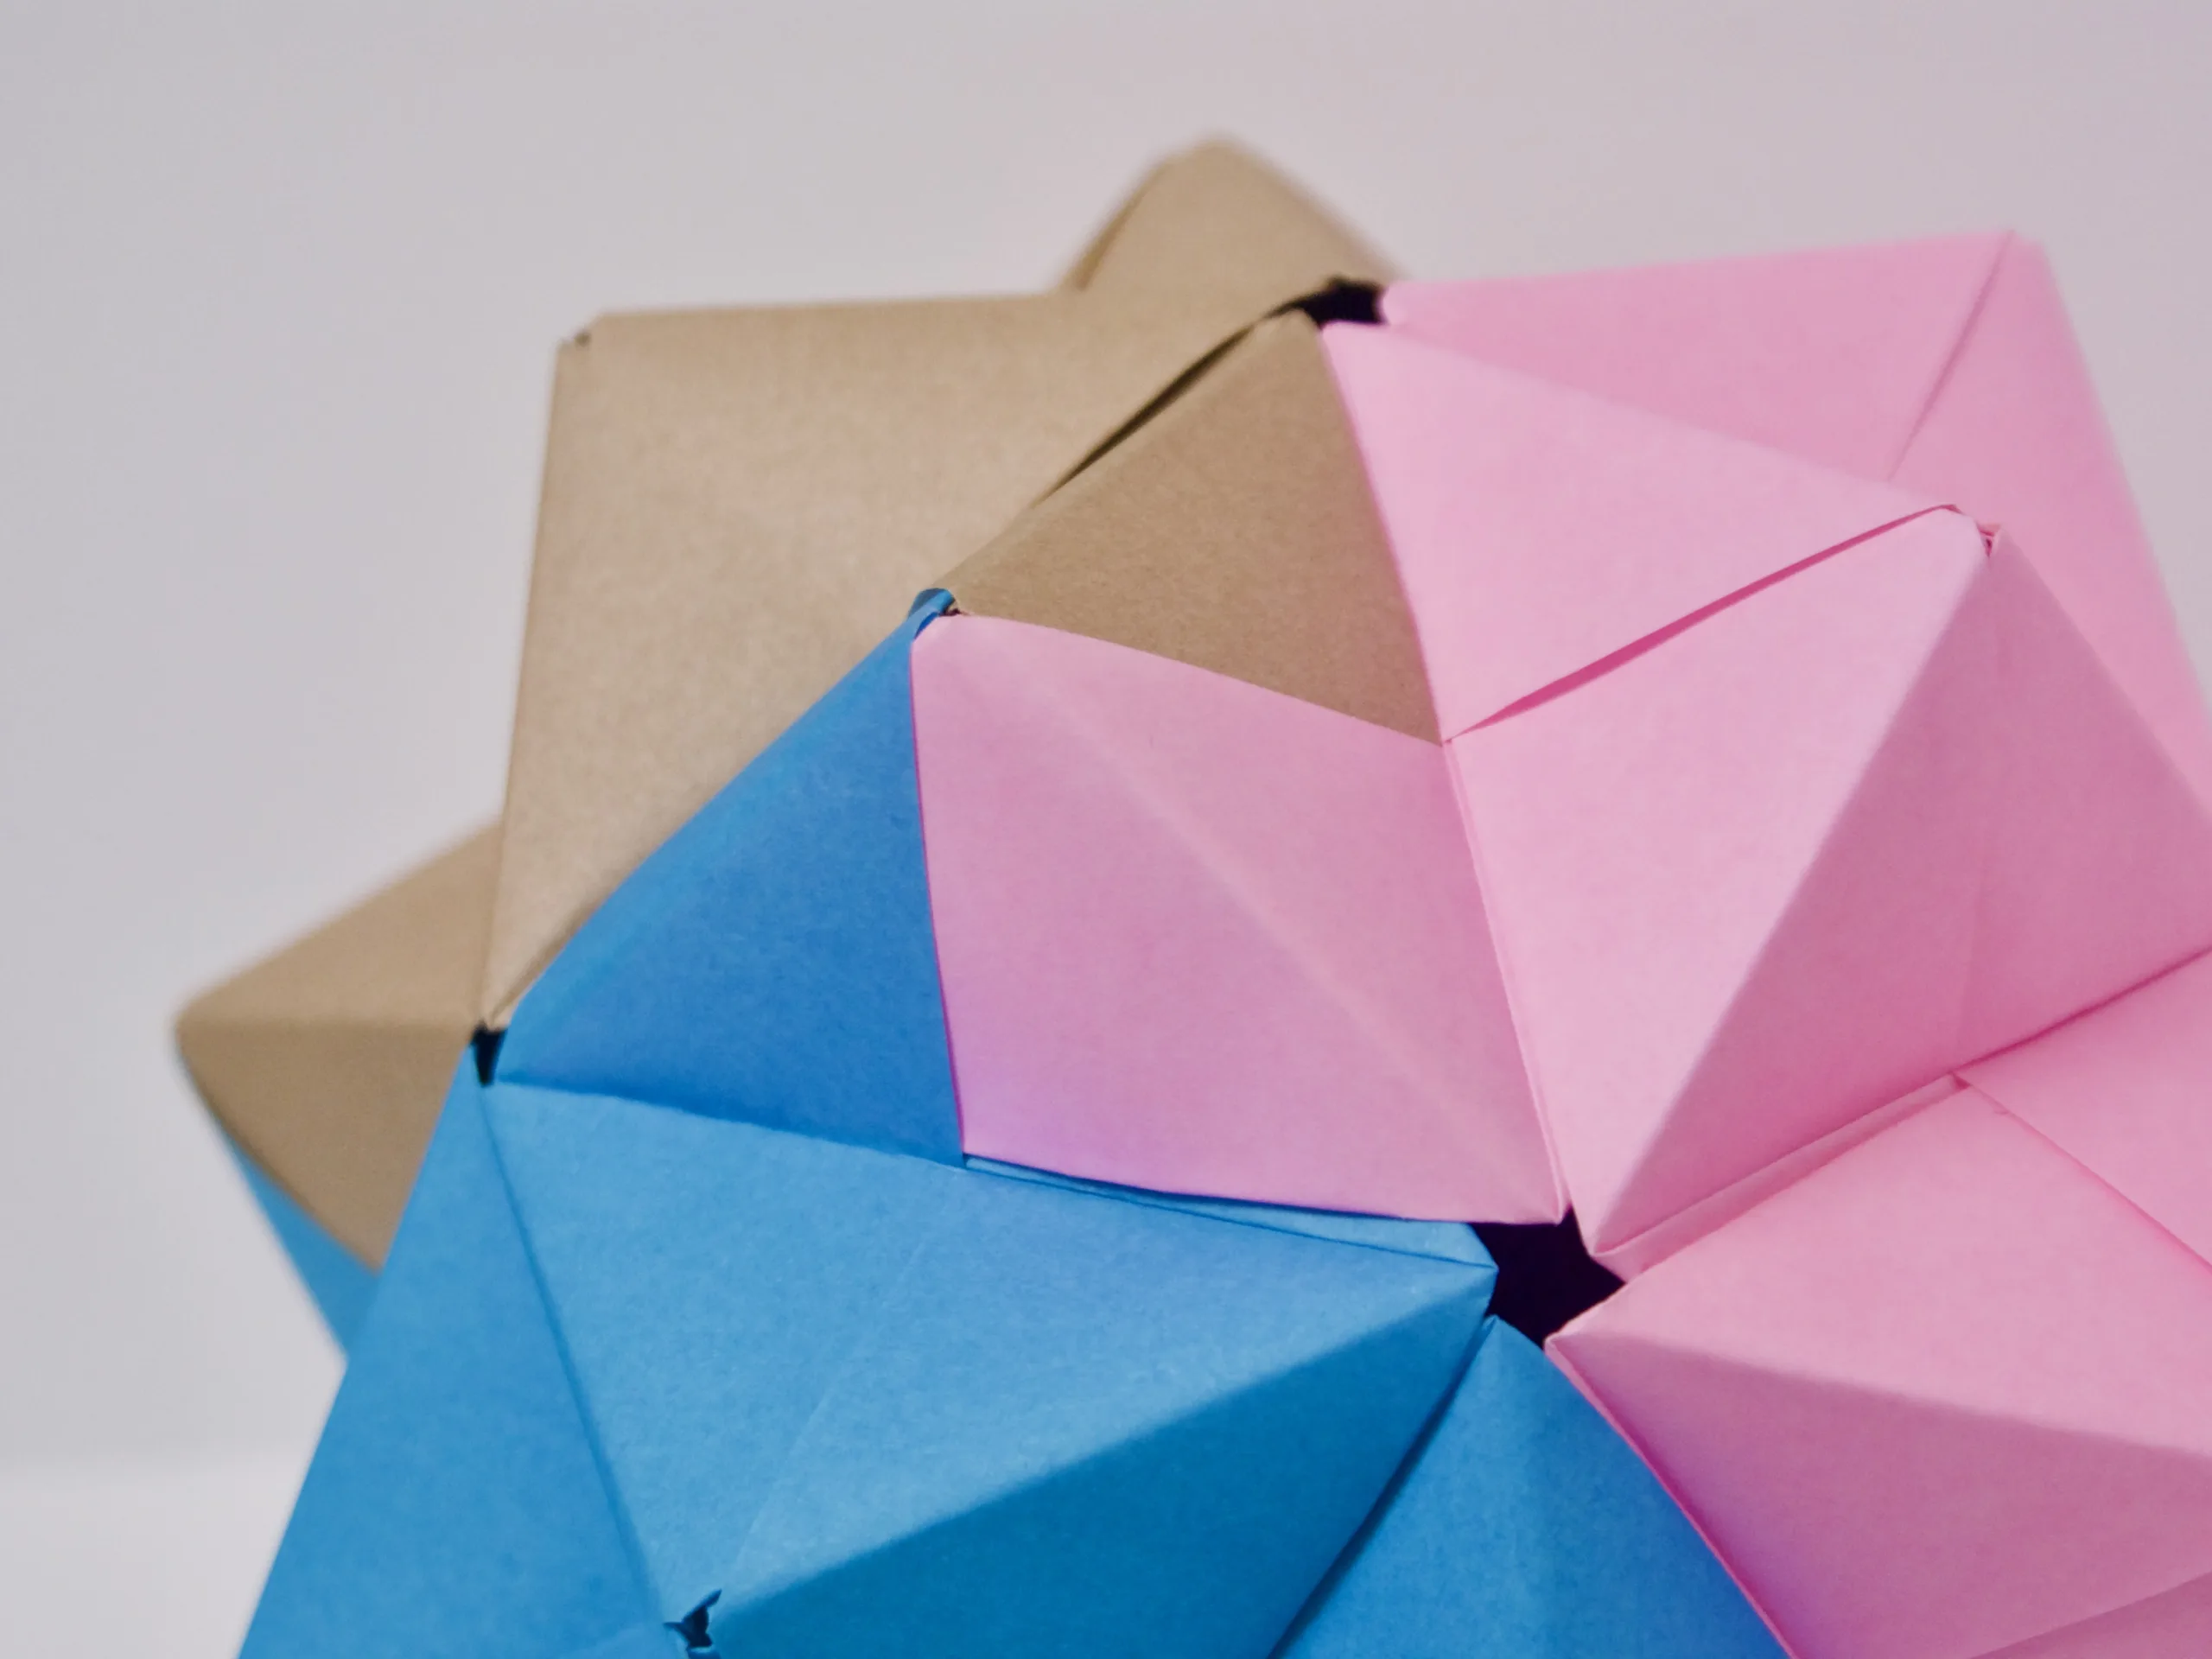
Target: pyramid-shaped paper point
1250,962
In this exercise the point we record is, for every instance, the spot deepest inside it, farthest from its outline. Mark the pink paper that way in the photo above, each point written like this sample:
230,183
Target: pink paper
1944,366
1946,1393
1831,354
1693,1006
1538,530
1201,936
2127,1089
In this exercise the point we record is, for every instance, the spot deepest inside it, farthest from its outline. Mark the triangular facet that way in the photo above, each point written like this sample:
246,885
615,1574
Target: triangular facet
2124,1089
2020,848
1217,217
1832,354
1539,530
1234,531
1525,1528
1085,1427
738,506
773,962
1642,835
326,1062
1201,936
455,1505
2100,871
2015,437
710,1280
1943,1394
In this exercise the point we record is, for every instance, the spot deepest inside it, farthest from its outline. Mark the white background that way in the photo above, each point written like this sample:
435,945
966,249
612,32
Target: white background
278,291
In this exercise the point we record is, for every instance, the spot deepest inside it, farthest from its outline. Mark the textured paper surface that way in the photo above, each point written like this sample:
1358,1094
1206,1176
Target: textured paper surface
1944,1394
1525,1528
774,961
326,1062
1945,367
1201,937
627,1357
1235,531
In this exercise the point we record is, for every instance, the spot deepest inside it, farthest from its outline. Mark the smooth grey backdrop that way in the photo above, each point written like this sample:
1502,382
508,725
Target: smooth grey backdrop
280,286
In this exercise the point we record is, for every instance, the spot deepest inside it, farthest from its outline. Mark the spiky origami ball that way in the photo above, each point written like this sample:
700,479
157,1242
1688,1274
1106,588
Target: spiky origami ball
1687,771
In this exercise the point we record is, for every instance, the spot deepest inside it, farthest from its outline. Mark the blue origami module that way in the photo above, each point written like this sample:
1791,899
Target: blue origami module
699,1335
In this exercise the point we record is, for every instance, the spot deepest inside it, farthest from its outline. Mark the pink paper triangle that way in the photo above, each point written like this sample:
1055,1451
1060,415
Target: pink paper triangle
1200,936
1831,354
1641,837
1538,530
2020,848
1944,1394
2100,873
2014,436
2127,1089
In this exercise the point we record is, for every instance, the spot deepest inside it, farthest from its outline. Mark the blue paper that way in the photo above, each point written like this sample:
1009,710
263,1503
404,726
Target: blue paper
1449,1241
711,1279
650,1641
1086,1427
773,960
626,1357
1526,1528
456,1507
342,1287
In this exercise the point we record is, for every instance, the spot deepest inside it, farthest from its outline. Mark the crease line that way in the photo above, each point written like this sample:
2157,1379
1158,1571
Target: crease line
1645,643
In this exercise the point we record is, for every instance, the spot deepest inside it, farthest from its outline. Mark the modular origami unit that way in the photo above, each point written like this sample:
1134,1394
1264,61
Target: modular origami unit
962,1131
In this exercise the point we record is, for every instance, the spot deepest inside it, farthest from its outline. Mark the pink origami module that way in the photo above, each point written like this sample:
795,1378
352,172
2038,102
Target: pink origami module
1808,886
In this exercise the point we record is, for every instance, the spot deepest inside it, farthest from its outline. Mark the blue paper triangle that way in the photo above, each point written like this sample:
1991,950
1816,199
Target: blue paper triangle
342,1287
1527,1528
773,962
454,1506
1084,1426
711,1279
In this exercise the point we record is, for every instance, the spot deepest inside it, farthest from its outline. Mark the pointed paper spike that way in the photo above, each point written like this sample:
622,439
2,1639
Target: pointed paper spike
1085,1427
2016,437
1523,1528
1943,1394
1859,995
2124,1089
774,963
738,504
454,1507
326,1062
2100,873
1642,835
1216,216
1201,936
710,1280
1539,530
1831,354
1234,532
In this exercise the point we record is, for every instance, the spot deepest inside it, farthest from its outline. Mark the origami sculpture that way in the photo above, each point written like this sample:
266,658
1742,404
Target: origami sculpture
962,1131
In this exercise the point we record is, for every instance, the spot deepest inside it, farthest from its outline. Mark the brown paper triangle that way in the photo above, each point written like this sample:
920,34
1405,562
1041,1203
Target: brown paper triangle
328,1062
1216,216
738,506
1235,531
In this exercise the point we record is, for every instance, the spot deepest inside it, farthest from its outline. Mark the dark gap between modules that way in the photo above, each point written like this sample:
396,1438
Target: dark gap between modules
1545,1276
1343,303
